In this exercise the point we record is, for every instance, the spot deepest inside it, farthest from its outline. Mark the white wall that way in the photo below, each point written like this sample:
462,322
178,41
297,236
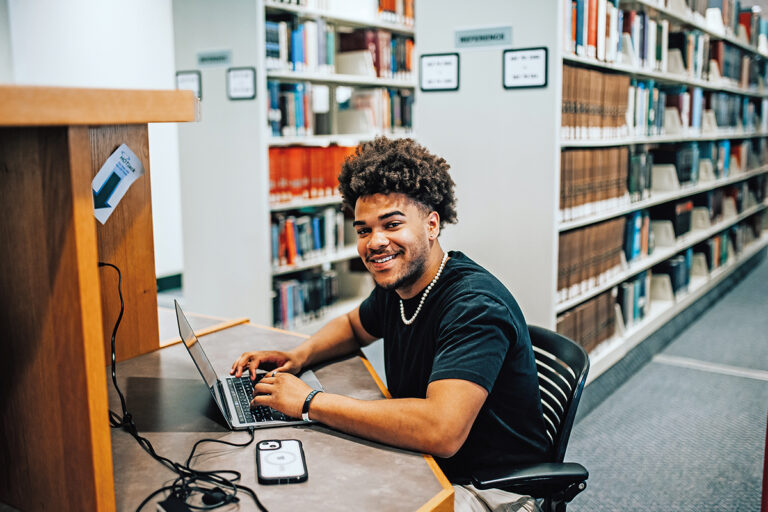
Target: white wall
113,44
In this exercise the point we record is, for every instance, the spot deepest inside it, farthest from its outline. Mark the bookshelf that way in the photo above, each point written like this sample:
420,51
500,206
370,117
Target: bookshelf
266,154
505,149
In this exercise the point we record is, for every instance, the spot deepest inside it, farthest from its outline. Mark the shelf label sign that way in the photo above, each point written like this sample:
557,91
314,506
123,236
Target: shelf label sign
439,72
113,180
212,59
479,37
525,67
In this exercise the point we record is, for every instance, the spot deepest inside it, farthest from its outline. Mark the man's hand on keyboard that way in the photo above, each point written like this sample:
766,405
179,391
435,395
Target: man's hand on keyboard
281,391
281,361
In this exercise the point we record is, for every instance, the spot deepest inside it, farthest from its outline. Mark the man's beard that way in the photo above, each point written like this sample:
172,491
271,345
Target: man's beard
412,273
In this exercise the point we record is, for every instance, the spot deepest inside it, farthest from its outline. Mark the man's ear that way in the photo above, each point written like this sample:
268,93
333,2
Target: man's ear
433,225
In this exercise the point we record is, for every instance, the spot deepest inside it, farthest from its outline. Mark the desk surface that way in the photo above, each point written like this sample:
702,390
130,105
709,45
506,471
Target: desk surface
173,409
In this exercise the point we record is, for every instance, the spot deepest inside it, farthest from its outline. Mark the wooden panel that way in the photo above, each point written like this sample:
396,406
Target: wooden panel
58,106
53,413
126,241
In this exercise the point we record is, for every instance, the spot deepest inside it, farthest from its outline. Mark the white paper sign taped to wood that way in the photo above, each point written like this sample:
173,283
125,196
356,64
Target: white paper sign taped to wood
113,180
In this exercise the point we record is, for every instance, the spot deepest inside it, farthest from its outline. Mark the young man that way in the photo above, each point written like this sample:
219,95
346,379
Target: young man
458,358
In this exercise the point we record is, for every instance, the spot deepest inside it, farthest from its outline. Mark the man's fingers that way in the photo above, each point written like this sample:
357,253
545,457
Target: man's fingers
260,400
253,366
237,368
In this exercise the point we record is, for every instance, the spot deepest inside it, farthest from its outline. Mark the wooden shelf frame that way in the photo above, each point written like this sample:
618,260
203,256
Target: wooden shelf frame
59,307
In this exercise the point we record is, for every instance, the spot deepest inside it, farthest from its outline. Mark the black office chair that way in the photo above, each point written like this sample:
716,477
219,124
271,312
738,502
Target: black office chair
562,366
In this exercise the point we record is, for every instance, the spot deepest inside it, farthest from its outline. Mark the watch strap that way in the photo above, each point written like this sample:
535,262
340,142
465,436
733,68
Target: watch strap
305,408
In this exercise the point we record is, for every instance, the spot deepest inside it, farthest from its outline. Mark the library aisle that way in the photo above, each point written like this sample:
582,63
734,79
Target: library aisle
687,432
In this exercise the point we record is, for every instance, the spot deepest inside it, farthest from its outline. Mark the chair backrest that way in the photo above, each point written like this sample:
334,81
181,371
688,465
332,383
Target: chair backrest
562,366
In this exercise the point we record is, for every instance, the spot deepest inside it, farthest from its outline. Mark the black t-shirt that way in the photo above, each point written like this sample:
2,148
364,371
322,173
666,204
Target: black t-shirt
470,328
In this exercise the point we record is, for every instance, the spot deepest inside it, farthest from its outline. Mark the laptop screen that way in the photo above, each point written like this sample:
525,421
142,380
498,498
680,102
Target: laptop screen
195,349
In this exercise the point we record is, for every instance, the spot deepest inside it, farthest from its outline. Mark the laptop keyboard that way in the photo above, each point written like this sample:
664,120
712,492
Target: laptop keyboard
242,392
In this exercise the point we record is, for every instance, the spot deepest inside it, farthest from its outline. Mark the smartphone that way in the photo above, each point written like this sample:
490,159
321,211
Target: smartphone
280,462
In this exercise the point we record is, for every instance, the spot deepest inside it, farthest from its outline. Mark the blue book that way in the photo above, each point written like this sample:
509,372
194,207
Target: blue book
273,87
295,43
275,232
316,233
697,100
581,37
724,157
300,45
299,97
620,23
637,304
637,229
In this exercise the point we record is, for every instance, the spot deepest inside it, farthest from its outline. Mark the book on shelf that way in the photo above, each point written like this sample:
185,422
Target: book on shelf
298,172
685,158
638,240
588,256
397,11
712,200
592,180
302,299
594,103
591,322
376,110
678,212
600,30
296,45
633,298
678,268
306,236
391,54
601,105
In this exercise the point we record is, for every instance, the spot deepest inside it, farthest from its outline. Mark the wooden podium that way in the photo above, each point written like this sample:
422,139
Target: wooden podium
58,308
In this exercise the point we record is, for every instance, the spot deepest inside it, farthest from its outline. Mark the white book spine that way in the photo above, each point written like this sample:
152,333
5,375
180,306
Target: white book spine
650,58
664,45
282,31
601,22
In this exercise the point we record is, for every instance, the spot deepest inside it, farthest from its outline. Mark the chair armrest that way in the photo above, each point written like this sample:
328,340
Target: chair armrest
538,480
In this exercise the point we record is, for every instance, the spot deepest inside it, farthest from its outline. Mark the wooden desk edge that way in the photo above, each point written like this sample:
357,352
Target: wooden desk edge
440,502
207,330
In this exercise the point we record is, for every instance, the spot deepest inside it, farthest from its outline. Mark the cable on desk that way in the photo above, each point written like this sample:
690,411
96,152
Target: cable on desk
224,490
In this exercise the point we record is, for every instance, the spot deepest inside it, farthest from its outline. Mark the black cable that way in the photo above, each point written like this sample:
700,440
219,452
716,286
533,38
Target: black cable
185,484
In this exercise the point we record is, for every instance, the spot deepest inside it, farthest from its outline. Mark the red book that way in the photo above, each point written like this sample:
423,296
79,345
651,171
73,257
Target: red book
592,30
290,241
274,196
745,19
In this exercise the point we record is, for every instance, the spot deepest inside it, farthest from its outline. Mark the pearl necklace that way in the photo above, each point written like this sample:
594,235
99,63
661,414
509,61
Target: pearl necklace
424,295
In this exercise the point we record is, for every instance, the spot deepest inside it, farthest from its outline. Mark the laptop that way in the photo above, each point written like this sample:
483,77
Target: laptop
233,394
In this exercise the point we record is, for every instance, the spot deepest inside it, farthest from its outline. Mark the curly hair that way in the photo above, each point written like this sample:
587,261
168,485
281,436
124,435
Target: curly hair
387,166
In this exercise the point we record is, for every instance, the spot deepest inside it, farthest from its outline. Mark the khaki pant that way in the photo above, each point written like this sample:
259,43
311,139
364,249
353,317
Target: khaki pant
468,498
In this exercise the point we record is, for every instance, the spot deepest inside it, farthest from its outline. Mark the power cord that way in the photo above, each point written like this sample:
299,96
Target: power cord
186,485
